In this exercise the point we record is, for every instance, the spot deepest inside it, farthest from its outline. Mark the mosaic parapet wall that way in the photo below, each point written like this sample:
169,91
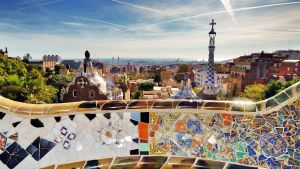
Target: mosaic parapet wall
270,140
264,134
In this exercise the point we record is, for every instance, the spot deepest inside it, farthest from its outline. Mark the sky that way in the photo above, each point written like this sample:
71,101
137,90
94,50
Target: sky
147,28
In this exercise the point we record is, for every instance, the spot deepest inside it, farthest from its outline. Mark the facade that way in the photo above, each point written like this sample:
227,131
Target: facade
256,68
88,85
290,54
81,90
166,75
219,78
74,64
160,92
49,61
167,78
289,67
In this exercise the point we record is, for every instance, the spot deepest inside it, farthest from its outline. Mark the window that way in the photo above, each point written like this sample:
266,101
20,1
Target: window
75,93
92,93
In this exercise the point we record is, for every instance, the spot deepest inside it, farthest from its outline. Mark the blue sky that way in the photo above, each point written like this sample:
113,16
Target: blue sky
147,28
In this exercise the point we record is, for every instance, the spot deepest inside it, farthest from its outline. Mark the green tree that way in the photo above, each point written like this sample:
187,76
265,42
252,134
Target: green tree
17,93
59,81
273,87
14,80
276,86
26,58
254,92
58,67
146,86
221,96
49,72
48,94
183,68
154,73
24,82
136,94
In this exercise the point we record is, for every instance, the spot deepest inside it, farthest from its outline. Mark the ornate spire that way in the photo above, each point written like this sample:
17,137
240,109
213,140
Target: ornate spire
86,61
212,31
211,89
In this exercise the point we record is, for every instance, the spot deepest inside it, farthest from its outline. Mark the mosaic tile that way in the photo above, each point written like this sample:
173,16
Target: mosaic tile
107,115
135,116
72,117
15,124
13,155
2,115
57,119
90,116
36,123
14,136
268,141
39,148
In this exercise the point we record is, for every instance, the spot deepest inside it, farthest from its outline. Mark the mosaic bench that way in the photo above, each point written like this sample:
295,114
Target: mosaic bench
152,134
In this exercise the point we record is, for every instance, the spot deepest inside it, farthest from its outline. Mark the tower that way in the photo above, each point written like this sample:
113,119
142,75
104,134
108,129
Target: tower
211,89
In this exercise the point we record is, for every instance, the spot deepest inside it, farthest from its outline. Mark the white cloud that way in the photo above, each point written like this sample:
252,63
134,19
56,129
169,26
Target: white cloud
33,4
228,7
259,28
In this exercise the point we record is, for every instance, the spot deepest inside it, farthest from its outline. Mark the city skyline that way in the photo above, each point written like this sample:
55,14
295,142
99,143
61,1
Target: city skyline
173,29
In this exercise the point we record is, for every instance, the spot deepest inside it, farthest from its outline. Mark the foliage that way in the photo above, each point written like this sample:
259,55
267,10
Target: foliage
58,67
10,66
221,96
26,58
254,92
219,68
49,72
276,86
154,73
146,86
273,88
59,81
183,68
46,95
24,82
17,93
136,95
123,86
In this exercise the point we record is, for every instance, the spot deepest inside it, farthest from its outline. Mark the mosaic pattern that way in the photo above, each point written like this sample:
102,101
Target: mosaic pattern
71,138
269,141
226,133
273,145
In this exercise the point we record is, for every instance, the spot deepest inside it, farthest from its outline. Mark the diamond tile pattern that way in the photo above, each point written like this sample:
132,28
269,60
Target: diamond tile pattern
13,155
39,148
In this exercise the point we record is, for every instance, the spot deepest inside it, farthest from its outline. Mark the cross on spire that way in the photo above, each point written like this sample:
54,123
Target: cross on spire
213,22
212,31
82,83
